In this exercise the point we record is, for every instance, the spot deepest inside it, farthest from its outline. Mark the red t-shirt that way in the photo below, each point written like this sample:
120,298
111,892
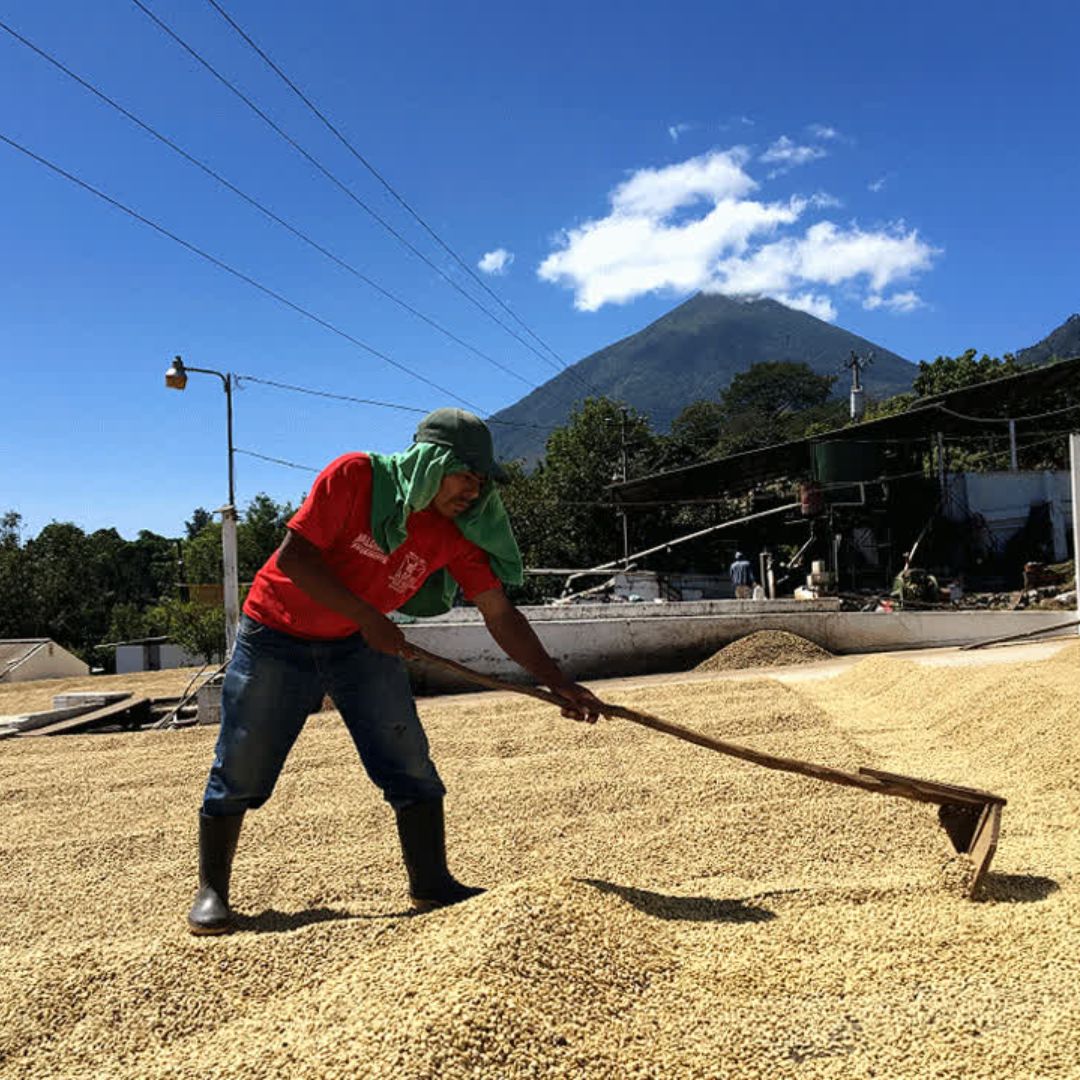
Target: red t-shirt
336,518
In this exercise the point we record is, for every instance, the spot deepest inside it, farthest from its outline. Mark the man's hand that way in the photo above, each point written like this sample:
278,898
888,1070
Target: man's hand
581,704
384,635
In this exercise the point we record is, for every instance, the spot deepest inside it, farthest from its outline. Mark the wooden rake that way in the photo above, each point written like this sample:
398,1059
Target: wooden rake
971,818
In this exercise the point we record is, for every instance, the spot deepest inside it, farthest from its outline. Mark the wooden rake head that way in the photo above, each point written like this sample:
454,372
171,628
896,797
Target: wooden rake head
971,818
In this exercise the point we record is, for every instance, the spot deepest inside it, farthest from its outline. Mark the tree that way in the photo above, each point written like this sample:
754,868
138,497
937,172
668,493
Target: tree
696,434
200,518
563,514
59,587
13,583
202,556
198,628
260,532
955,372
771,402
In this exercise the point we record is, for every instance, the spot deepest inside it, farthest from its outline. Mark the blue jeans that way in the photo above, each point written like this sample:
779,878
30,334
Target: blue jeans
274,681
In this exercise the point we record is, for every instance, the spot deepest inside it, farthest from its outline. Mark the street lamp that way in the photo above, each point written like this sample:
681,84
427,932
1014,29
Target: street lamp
176,379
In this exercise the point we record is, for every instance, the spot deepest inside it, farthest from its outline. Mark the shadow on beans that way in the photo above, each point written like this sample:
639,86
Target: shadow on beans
684,908
1017,888
281,922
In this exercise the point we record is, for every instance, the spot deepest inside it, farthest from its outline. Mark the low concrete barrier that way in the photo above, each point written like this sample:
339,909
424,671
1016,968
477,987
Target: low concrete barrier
645,639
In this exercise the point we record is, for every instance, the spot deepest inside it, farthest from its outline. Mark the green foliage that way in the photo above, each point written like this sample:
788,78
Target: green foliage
259,532
775,388
771,403
696,434
768,403
198,628
562,513
875,410
202,556
200,518
955,372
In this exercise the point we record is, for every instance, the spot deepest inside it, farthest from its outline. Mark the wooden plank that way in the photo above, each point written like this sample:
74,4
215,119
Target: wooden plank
129,711
984,844
954,792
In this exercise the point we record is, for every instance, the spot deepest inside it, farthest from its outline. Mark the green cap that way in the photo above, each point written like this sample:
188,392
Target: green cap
467,435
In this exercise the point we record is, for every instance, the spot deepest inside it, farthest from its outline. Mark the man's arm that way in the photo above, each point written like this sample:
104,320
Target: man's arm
302,562
516,638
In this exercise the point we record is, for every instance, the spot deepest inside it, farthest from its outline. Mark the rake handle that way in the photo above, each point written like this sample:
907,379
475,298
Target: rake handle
735,750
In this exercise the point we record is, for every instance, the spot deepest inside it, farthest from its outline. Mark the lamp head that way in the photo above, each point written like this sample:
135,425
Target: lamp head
176,376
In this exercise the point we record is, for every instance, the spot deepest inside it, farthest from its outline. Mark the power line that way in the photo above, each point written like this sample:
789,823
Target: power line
574,503
232,270
1006,419
338,183
276,460
258,205
294,388
382,180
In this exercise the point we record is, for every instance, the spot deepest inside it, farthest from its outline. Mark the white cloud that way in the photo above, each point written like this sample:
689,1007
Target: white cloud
700,225
812,303
898,302
496,262
787,152
656,192
826,255
823,131
676,131
877,185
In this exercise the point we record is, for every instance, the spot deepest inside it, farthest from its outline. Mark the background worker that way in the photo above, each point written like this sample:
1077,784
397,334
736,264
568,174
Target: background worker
376,534
742,576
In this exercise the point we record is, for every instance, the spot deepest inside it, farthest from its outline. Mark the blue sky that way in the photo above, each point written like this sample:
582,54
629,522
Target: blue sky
910,173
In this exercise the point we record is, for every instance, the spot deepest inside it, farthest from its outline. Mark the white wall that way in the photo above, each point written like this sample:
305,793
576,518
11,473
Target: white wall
131,658
50,661
1004,500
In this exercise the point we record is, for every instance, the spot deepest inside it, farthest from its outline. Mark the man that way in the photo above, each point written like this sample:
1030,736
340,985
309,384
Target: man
742,576
376,534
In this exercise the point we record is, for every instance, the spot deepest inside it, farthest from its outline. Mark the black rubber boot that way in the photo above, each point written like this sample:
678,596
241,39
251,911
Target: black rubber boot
422,832
217,844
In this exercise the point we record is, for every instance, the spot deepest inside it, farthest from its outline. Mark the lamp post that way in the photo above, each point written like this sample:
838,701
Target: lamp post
176,379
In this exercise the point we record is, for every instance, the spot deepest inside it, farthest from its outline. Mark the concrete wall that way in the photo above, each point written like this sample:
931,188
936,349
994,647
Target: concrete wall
1004,500
48,661
667,638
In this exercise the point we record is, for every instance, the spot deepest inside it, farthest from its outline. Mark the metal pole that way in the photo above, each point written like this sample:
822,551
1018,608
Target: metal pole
1013,464
1074,461
229,557
228,421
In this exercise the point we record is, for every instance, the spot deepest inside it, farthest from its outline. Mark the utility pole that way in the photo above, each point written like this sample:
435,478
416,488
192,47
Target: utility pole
176,379
858,392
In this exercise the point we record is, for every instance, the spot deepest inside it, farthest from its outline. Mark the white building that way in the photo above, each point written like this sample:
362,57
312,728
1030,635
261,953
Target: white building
22,659
152,654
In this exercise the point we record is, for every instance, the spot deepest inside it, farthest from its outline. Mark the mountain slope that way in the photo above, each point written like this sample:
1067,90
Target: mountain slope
691,353
1062,343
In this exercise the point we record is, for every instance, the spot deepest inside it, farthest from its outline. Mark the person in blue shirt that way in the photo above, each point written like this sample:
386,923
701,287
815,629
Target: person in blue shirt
742,576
